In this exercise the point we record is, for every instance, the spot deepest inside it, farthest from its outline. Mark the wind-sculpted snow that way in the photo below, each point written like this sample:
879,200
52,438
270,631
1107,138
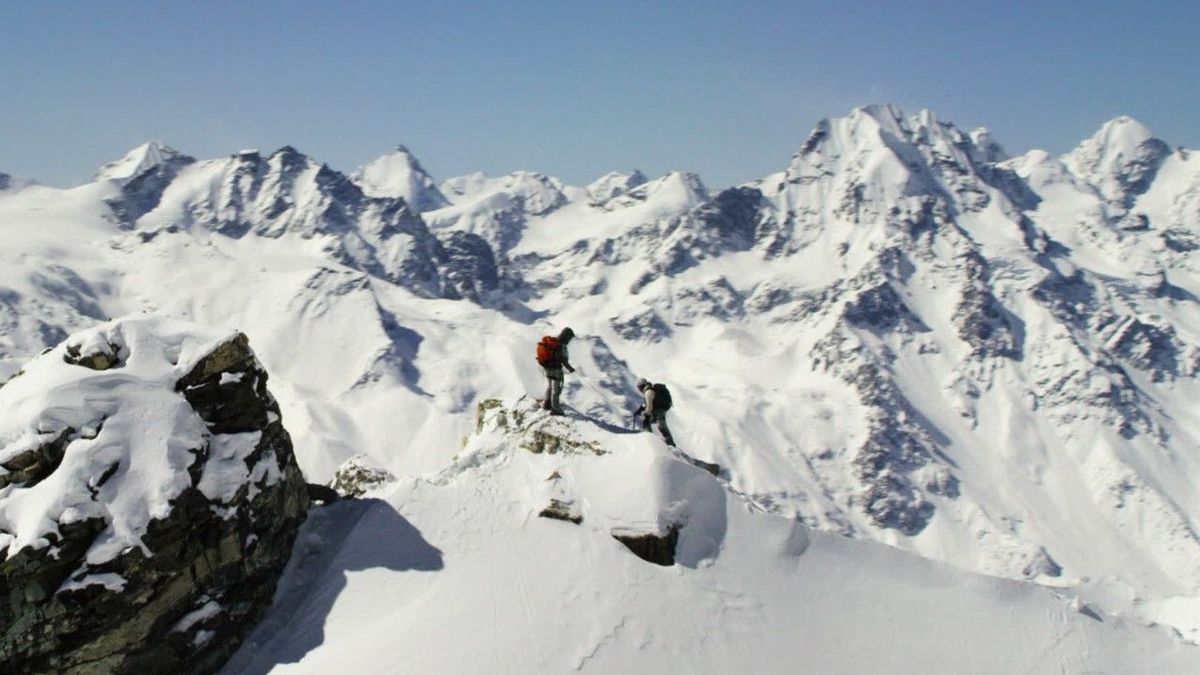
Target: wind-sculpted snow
905,335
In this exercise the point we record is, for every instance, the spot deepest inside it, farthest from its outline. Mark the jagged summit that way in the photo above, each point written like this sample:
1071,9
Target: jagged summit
614,184
1120,160
399,174
139,160
877,163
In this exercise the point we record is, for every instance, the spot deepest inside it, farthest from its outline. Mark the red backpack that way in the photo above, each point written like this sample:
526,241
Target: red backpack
547,351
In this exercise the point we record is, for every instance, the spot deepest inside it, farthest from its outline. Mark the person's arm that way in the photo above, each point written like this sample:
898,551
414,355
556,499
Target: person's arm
649,395
566,358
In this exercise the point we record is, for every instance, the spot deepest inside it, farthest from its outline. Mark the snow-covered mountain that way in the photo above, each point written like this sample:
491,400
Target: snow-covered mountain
399,174
905,336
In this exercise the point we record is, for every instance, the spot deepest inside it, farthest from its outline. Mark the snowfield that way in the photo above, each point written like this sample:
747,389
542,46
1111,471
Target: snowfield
454,572
950,391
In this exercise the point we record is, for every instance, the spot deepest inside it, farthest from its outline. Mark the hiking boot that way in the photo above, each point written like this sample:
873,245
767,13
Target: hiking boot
557,413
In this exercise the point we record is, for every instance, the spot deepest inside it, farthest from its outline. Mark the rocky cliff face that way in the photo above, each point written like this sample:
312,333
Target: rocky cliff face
149,500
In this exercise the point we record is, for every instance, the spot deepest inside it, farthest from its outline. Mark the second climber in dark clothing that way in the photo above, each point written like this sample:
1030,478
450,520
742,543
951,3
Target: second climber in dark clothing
553,366
656,403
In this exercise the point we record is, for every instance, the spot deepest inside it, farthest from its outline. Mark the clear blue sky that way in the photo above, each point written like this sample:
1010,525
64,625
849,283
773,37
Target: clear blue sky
570,87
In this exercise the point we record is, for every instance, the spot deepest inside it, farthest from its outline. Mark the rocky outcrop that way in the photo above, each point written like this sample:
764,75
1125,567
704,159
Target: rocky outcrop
534,431
651,547
357,476
147,510
561,510
469,267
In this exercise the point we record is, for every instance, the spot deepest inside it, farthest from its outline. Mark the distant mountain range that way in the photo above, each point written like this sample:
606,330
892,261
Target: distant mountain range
905,336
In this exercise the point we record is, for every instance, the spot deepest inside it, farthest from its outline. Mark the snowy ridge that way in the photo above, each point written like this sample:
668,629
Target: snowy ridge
464,547
138,161
904,336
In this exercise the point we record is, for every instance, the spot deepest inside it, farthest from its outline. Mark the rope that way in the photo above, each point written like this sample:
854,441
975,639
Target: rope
618,409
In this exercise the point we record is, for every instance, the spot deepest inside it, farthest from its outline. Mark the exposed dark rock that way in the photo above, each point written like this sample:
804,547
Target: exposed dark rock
1148,347
559,510
1138,173
143,192
1181,240
469,267
646,326
718,299
731,218
229,389
209,570
96,359
1042,565
357,475
30,467
535,432
980,319
321,493
714,469
655,548
895,447
880,309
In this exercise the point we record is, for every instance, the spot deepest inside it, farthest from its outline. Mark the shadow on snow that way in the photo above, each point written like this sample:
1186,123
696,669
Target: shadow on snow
343,537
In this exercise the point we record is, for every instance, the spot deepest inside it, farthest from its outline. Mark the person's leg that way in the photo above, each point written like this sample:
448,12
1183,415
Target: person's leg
661,420
549,391
556,386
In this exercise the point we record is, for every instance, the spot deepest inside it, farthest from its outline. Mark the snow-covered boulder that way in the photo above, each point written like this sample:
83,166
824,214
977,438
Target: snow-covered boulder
655,500
149,499
359,475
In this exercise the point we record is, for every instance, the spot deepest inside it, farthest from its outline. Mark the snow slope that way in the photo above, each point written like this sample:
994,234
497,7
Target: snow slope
457,574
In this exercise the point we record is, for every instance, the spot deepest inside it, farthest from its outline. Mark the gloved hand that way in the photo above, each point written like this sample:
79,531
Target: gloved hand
569,368
646,422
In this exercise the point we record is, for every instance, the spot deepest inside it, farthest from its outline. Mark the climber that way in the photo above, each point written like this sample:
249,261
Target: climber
552,356
654,410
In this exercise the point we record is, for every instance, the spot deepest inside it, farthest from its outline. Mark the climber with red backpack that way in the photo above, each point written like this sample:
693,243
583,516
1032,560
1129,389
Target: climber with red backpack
656,402
552,356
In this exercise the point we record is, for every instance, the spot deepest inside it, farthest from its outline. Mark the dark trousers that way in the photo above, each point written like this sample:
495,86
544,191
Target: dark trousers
554,386
659,419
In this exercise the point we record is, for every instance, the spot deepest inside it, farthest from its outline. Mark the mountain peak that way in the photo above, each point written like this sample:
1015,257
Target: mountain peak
1120,160
399,174
1125,127
881,112
1120,136
140,159
989,149
614,184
